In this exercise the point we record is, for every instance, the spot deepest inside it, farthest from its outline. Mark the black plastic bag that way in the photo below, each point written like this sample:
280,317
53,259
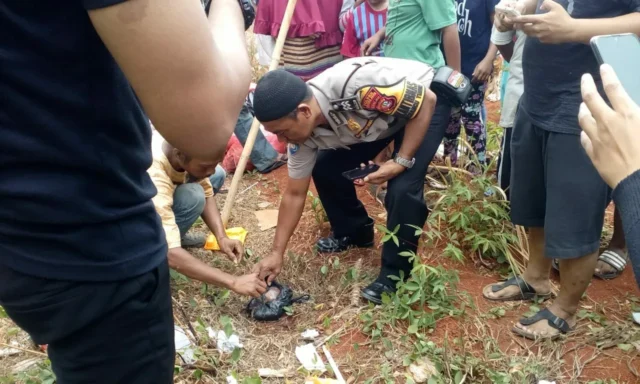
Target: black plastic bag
270,306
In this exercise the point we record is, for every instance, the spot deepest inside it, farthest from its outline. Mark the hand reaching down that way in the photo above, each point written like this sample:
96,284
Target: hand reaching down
232,248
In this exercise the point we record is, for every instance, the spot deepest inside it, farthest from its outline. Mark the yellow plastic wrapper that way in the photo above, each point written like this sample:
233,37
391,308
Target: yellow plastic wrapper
236,233
317,380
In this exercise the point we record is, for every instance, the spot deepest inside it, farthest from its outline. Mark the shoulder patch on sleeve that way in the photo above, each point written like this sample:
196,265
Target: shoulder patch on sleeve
293,148
402,99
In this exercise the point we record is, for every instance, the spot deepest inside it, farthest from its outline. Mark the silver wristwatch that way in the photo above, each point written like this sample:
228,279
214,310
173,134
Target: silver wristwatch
404,162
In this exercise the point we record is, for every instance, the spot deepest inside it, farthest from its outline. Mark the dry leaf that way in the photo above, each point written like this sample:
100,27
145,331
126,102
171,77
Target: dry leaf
26,364
267,218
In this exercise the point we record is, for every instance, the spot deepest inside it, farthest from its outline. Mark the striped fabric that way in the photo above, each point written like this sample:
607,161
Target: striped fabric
362,23
301,57
367,22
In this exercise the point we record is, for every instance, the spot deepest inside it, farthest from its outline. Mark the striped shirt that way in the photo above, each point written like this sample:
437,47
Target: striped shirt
362,23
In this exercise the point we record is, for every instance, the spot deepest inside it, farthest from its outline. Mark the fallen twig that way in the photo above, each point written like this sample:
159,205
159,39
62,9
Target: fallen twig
248,188
455,169
355,290
323,342
186,319
24,350
200,367
632,369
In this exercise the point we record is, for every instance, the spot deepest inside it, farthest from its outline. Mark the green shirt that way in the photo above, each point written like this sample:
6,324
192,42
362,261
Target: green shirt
413,29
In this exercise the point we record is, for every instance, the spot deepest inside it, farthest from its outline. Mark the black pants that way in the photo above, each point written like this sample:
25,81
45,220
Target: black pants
405,194
107,332
555,186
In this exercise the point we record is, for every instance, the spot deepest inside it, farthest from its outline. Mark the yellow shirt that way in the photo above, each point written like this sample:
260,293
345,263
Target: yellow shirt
166,179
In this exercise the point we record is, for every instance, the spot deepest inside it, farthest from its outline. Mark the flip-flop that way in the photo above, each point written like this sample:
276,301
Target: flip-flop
554,321
527,292
616,261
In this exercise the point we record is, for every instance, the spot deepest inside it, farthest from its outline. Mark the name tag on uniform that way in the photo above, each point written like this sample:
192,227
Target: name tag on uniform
337,118
348,104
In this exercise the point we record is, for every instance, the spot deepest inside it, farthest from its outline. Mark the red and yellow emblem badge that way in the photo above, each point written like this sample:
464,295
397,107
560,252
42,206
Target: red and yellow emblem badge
401,100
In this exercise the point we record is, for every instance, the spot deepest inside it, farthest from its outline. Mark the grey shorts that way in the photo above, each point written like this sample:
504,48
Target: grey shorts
554,185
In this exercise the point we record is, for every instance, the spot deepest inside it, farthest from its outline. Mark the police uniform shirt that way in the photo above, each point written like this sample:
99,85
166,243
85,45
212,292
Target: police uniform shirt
364,99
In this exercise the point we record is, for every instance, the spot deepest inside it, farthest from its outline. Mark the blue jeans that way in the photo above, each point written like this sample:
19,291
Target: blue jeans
189,200
263,155
188,205
217,179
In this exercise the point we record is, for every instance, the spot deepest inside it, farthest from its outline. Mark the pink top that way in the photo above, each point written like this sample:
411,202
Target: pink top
309,18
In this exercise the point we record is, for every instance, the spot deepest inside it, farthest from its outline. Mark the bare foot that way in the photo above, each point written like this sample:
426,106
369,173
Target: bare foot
542,329
604,268
542,288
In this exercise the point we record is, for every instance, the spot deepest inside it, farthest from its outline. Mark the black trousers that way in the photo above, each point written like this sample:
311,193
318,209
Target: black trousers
106,332
405,194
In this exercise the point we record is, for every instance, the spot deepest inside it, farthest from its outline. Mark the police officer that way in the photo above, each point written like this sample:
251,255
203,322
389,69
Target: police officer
335,122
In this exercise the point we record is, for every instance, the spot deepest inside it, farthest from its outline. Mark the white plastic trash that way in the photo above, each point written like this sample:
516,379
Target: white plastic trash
183,345
310,334
309,358
223,343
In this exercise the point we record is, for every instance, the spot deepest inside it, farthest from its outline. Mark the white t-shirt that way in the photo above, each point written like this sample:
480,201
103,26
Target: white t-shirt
515,83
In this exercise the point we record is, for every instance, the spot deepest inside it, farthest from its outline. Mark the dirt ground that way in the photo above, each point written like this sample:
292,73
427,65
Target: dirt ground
591,355
613,299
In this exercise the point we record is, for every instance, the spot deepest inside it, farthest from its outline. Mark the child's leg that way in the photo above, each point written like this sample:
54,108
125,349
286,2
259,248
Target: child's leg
473,124
450,140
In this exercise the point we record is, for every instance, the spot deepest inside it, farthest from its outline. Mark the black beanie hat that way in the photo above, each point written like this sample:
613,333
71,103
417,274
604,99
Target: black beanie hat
277,94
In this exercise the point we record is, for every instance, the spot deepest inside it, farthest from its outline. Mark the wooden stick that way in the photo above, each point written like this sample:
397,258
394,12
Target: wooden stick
255,127
334,366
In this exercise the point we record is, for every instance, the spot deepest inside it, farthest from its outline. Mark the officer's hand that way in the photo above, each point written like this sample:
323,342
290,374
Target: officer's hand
370,45
386,172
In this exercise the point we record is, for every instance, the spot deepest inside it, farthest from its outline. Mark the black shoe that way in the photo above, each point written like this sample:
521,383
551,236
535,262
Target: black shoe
374,292
362,239
193,240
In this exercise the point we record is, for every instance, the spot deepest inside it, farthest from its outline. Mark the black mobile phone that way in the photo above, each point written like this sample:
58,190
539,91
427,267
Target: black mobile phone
622,53
360,173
